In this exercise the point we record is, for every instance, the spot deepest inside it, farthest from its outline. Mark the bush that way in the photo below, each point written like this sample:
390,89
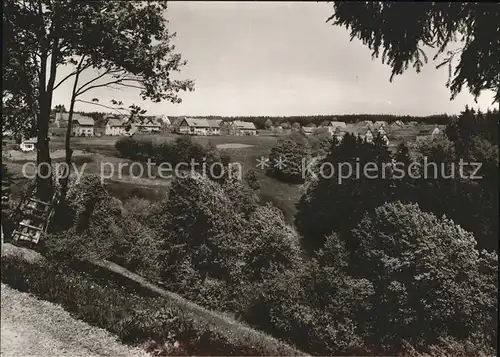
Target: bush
217,240
314,306
286,158
429,279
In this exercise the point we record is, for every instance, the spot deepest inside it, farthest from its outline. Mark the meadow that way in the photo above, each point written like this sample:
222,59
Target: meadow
93,151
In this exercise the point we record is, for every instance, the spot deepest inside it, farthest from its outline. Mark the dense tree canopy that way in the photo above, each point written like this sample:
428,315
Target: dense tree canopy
401,30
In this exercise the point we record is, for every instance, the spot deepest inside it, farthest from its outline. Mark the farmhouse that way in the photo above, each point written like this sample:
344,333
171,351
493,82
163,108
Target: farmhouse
214,126
193,126
147,125
28,145
379,128
82,125
366,134
239,127
200,126
333,125
114,126
341,132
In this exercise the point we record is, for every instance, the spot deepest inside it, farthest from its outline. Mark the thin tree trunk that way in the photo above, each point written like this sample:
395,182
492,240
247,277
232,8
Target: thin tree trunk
67,140
69,151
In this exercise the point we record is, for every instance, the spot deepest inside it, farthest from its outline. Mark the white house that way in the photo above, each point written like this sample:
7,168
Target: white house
239,127
82,126
200,126
28,145
147,125
366,134
333,125
113,127
386,139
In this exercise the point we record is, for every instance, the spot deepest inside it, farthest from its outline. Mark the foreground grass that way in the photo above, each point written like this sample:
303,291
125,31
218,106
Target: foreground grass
130,314
33,327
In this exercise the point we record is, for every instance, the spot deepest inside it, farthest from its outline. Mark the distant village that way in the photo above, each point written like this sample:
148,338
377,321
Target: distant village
120,125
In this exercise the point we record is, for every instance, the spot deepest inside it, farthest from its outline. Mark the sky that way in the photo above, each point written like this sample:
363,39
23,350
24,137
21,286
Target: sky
282,59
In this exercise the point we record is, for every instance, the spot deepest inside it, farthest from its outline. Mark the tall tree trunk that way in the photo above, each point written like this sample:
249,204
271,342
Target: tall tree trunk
44,171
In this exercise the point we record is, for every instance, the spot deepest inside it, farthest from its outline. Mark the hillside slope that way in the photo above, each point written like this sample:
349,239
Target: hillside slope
32,327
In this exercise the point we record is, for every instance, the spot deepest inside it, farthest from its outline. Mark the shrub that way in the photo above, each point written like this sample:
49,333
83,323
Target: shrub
314,306
427,278
252,180
273,247
286,158
217,239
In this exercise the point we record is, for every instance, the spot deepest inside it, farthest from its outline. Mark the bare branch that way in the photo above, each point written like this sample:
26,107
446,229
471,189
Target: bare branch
72,74
108,71
118,81
101,105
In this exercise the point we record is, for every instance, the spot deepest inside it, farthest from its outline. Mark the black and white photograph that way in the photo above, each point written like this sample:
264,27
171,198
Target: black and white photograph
249,178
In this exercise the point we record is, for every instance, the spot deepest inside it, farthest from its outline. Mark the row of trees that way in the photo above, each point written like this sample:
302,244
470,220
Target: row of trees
182,150
329,205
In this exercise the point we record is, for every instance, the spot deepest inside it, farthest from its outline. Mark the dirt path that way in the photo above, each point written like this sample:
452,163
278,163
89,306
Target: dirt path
32,327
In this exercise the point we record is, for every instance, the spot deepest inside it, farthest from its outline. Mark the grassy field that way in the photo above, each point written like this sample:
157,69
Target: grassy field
93,152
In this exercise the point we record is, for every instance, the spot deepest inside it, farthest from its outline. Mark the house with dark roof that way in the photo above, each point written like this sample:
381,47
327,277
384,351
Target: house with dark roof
114,126
82,125
147,124
334,124
200,126
364,133
238,127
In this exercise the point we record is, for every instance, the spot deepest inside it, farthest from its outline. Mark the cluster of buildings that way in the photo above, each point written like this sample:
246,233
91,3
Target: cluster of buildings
200,126
368,130
83,125
119,125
